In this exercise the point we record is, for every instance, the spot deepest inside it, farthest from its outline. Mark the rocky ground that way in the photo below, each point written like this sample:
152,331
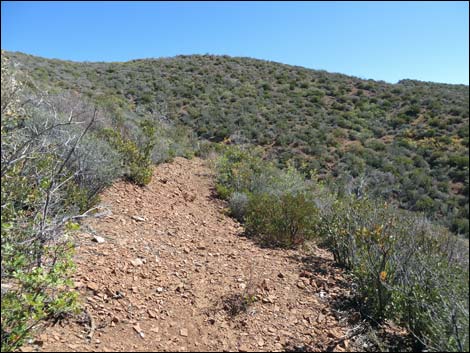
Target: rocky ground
165,269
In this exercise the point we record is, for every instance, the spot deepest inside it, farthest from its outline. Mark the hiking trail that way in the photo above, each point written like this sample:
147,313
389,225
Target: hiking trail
173,270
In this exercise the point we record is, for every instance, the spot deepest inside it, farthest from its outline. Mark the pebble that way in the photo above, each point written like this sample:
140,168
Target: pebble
98,239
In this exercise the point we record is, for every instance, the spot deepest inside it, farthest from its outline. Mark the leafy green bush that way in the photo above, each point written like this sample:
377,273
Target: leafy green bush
32,294
287,220
241,170
136,156
405,268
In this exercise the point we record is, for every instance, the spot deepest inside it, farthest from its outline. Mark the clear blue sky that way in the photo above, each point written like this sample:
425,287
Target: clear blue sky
384,41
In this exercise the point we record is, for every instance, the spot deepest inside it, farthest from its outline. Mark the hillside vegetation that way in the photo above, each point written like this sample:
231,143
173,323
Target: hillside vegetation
406,142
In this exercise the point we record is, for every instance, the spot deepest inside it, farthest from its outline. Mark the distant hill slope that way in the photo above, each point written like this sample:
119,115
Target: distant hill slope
409,139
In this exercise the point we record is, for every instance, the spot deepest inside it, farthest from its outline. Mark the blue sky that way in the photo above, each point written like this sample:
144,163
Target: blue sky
384,41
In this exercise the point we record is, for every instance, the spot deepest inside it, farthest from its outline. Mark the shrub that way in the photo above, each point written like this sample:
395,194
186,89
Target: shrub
284,221
135,156
406,269
38,193
238,203
239,170
243,170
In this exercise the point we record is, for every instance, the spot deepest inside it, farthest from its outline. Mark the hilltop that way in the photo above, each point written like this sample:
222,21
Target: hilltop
409,140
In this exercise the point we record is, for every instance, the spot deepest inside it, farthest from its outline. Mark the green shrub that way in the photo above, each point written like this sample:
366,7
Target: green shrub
135,156
238,203
405,268
284,221
33,294
245,171
239,170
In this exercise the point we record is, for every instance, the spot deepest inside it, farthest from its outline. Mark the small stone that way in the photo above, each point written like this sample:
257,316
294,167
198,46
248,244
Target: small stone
152,314
333,333
280,275
93,286
159,289
301,284
138,218
184,332
189,197
137,329
268,299
137,262
338,348
98,239
39,342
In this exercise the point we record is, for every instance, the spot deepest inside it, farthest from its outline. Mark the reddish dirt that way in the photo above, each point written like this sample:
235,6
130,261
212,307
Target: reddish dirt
172,270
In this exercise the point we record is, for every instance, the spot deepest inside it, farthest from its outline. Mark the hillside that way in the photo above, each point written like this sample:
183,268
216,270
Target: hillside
408,141
174,274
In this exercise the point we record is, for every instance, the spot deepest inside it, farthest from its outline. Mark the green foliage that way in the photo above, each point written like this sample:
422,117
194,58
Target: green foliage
238,203
241,170
405,268
135,156
284,221
33,294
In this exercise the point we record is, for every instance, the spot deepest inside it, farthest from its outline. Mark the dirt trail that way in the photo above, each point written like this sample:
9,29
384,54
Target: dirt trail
171,261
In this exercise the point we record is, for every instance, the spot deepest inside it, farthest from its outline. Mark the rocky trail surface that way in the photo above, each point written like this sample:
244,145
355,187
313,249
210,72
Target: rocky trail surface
165,269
